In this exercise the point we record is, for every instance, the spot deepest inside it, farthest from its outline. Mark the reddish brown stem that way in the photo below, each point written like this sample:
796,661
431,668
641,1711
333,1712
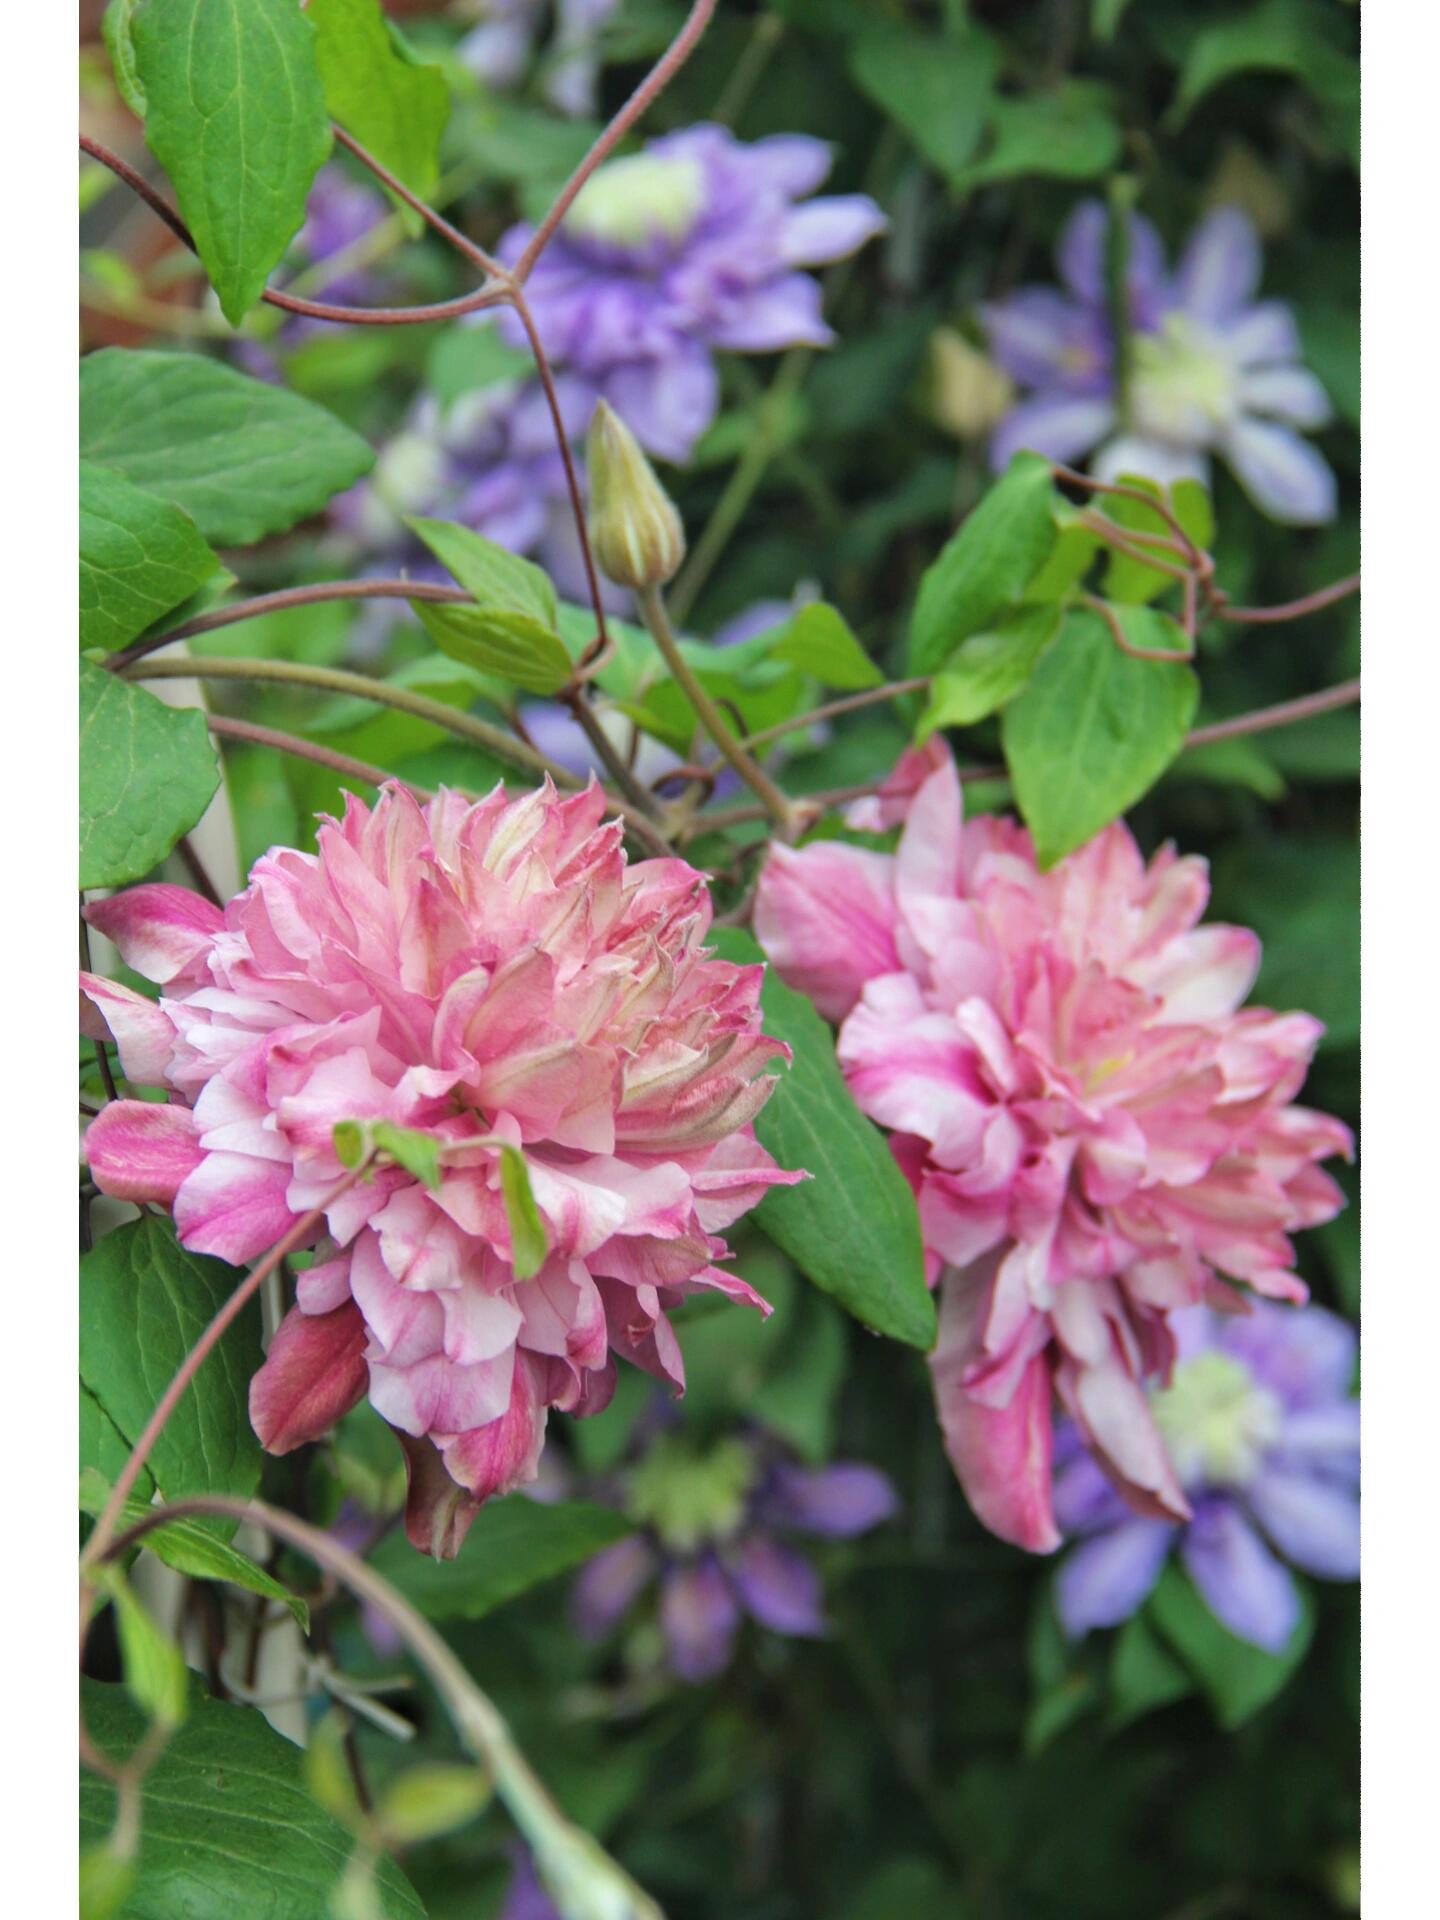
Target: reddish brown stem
650,88
1291,609
342,763
1117,633
460,241
483,297
1284,714
238,610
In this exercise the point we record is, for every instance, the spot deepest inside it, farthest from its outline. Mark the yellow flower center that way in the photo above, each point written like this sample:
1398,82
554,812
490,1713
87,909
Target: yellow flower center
1216,1420
1182,384
630,201
691,1499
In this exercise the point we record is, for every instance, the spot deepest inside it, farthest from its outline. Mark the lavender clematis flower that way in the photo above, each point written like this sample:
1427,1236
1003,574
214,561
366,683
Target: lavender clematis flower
694,244
712,1523
1265,1437
1214,371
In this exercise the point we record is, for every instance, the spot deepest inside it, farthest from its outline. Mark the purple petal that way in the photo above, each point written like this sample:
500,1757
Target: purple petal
779,313
1060,426
793,163
1085,1501
525,1898
1044,340
1312,1521
837,1502
667,404
1243,1584
1283,474
779,1588
1262,333
1323,1439
1220,269
1081,255
699,1614
1291,394
1305,1354
1103,1580
606,1587
829,229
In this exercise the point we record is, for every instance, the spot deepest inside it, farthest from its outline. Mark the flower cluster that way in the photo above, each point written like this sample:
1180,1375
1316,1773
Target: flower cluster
1265,1435
712,1520
1097,1132
1212,369
697,243
492,973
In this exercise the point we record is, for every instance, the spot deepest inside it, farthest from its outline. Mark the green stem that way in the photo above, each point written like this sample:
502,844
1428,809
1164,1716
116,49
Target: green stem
652,608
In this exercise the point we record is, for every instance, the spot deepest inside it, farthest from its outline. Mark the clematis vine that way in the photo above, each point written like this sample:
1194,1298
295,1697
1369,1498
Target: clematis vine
1265,1435
493,974
716,1523
697,244
1097,1130
1214,371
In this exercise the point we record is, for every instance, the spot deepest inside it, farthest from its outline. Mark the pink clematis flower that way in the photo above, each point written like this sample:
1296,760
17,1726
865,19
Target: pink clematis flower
1096,1132
490,969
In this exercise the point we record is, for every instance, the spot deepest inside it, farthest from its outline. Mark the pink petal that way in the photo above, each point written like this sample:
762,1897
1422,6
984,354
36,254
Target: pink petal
140,1150
161,931
314,1372
1001,1455
438,1512
142,1031
825,916
505,1452
233,1206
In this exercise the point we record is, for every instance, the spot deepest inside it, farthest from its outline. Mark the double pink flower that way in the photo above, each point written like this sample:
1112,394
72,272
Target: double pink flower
470,969
1095,1130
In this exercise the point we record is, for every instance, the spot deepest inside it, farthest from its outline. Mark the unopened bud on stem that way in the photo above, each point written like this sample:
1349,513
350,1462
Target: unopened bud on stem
635,532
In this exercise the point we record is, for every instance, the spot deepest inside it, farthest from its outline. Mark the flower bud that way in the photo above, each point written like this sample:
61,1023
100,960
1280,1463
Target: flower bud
635,532
966,392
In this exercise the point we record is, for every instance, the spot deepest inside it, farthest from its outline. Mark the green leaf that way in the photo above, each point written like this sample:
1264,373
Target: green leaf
1105,17
103,1448
989,669
1069,134
116,28
393,106
154,1668
227,1824
819,641
513,1545
469,359
1278,36
1094,729
497,580
144,1302
429,1800
235,113
1237,1678
243,458
983,569
529,1242
1130,580
1143,1675
515,646
937,87
416,1152
189,1547
853,1227
1232,763
147,773
139,557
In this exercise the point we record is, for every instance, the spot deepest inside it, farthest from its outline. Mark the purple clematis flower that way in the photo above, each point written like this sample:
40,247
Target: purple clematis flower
713,1526
1265,1436
1214,371
695,243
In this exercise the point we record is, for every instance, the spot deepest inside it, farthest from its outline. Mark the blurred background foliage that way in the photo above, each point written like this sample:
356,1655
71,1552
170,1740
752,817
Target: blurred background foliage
940,1753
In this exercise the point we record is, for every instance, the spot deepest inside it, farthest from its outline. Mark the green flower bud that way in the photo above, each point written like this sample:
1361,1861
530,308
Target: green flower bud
966,392
635,532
